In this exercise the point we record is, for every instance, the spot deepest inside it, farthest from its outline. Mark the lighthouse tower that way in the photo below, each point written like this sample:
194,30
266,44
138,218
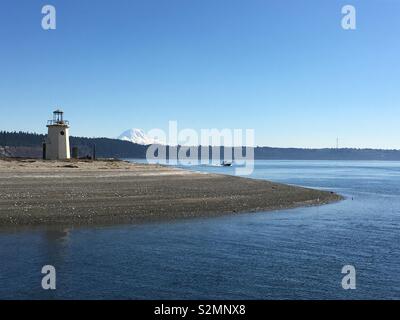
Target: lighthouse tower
57,143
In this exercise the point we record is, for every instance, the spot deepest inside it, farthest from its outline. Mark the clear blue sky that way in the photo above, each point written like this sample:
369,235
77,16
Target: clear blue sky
284,68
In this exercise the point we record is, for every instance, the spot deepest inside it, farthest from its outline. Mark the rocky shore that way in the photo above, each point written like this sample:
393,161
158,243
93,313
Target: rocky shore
36,192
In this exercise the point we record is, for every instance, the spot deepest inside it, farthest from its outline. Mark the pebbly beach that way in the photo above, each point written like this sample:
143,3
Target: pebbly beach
38,192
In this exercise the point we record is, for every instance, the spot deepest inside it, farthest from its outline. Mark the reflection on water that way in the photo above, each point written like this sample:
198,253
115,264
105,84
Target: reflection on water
56,242
295,253
29,250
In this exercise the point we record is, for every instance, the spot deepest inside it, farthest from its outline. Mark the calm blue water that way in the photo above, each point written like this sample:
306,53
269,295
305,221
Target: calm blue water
288,254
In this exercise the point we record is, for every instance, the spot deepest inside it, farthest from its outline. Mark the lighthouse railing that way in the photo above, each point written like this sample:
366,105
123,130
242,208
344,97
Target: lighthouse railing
54,122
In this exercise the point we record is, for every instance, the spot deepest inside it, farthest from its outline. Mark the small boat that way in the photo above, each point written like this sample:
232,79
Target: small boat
226,164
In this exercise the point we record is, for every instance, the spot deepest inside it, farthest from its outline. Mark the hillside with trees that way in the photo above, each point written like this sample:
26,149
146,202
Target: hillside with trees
25,144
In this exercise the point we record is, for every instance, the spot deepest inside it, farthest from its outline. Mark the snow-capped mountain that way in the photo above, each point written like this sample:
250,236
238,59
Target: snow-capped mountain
137,136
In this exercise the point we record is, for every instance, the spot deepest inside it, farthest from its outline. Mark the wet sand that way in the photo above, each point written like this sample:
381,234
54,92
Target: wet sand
36,192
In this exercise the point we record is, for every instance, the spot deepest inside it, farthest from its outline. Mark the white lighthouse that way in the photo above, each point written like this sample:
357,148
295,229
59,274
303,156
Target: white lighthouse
57,143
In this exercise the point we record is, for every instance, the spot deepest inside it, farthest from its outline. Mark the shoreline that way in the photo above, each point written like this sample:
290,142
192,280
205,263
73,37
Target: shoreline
80,192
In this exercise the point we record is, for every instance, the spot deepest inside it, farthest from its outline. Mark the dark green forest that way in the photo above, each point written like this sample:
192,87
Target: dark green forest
107,148
104,147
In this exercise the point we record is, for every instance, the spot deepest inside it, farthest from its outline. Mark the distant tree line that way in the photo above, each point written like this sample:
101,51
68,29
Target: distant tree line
269,153
107,148
104,147
20,139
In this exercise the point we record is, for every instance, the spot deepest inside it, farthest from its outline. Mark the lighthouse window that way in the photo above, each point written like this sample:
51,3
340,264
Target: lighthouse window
62,133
